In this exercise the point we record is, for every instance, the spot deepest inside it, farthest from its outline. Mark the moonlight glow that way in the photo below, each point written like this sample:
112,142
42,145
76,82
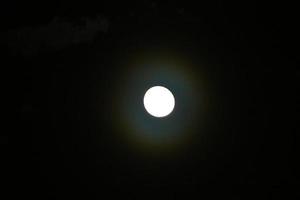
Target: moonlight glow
159,101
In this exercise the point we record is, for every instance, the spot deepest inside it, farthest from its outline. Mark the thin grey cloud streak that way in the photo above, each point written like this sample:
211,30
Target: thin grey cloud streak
56,35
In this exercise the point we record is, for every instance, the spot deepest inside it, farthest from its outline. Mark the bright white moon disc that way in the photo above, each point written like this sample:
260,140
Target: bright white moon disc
159,101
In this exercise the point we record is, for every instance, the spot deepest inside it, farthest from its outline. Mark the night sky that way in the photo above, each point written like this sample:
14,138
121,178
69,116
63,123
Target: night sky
75,75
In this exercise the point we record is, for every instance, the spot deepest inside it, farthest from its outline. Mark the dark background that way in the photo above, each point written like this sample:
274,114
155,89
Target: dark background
65,148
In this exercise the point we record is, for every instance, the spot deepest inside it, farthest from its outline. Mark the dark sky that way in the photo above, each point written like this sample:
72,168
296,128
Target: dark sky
66,62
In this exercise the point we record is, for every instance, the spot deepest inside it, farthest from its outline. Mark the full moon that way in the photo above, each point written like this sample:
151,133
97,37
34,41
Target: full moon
159,101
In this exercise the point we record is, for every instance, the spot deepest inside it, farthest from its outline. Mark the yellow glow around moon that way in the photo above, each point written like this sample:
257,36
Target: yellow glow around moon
159,101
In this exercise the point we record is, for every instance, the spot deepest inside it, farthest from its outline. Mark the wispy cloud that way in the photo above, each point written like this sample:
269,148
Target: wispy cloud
58,34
